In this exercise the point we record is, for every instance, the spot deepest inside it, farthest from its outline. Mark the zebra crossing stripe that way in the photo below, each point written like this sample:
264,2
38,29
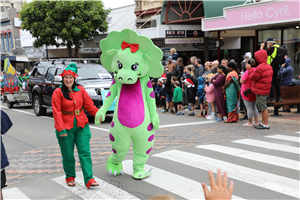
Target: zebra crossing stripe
103,191
285,137
268,145
262,179
171,182
273,160
13,193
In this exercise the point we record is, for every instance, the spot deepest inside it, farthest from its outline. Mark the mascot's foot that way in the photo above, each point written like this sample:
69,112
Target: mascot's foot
141,174
113,168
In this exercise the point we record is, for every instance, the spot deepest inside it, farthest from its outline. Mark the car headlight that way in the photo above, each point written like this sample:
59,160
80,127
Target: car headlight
91,91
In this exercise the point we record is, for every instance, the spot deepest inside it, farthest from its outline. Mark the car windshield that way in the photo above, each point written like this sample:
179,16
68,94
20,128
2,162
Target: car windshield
93,73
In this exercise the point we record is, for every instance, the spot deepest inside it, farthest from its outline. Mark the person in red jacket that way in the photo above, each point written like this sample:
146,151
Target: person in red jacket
261,85
71,125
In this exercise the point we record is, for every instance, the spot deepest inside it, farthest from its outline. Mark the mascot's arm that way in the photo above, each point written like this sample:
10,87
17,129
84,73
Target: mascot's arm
150,98
107,103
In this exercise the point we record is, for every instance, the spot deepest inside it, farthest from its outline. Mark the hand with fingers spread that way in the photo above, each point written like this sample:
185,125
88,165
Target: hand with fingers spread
219,190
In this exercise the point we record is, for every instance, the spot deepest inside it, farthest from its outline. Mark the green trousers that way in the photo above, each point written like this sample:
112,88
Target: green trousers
81,137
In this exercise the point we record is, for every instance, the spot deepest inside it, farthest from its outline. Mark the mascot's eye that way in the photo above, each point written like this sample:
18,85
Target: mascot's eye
134,67
120,65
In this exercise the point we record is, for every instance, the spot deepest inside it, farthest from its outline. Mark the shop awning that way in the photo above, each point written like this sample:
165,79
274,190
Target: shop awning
261,15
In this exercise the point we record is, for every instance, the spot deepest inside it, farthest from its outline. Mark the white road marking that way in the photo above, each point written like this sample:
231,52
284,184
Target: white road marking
18,110
285,137
107,130
13,193
101,129
186,124
298,132
171,182
249,155
103,191
269,145
262,179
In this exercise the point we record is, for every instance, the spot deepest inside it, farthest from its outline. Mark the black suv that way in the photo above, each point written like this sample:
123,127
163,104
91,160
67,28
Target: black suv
44,80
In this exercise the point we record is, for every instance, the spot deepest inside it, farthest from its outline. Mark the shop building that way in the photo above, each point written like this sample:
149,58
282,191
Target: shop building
279,19
179,26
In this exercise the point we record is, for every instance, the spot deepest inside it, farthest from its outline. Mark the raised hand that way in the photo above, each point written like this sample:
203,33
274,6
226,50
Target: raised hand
219,190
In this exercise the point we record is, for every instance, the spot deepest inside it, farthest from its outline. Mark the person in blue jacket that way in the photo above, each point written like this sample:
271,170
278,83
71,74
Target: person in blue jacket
286,71
6,124
200,94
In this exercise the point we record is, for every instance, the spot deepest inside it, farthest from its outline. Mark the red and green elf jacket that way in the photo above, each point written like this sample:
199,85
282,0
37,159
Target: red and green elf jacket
80,98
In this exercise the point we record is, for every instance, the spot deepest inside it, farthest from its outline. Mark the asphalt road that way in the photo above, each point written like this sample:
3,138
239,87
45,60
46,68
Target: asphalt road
262,164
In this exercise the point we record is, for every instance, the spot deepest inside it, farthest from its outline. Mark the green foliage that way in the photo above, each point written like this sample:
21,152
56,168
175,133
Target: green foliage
52,24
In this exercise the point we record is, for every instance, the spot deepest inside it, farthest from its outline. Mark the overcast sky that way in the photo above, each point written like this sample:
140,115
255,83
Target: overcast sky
117,3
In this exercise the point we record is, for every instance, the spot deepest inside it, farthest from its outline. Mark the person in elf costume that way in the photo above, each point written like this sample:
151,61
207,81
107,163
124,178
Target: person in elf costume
133,59
71,125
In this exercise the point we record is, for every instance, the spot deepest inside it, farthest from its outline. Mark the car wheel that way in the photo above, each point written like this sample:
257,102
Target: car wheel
10,104
37,106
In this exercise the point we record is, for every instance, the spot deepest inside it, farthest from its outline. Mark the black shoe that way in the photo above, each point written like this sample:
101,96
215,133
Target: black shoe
271,100
245,118
261,126
279,99
191,114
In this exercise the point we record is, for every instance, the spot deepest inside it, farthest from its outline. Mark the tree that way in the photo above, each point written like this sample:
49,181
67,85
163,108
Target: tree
64,23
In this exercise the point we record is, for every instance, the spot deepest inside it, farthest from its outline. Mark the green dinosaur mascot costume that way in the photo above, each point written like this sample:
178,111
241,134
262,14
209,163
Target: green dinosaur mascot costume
133,59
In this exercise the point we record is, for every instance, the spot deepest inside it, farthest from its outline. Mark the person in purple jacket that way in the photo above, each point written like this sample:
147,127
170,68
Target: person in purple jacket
286,71
6,124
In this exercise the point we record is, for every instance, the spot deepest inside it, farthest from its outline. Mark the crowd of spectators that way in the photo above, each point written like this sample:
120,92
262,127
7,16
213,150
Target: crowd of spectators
222,91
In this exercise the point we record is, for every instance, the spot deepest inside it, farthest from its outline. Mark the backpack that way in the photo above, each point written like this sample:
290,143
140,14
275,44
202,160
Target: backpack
280,56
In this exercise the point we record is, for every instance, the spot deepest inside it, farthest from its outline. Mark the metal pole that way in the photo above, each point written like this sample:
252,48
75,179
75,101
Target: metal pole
219,48
47,53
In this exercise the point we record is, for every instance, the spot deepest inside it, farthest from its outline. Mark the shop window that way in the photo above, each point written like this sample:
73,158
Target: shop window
263,35
2,8
291,40
7,8
6,1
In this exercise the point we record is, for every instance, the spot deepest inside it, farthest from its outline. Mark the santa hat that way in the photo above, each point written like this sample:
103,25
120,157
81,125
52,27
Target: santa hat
70,70
189,81
164,76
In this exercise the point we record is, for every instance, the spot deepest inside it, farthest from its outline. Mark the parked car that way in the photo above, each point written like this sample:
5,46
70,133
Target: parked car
45,78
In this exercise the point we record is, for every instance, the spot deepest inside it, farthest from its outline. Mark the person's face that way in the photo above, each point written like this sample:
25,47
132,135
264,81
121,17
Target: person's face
185,84
246,58
269,44
68,81
184,70
248,65
220,71
230,69
224,63
207,66
191,60
213,66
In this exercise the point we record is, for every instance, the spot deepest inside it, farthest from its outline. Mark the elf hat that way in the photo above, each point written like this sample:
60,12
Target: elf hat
164,76
70,70
189,81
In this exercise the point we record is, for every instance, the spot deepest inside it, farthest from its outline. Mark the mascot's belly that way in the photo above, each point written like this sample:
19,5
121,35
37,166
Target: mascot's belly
131,112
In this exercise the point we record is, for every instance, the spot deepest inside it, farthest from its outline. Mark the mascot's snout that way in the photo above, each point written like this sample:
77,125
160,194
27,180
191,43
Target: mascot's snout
125,76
